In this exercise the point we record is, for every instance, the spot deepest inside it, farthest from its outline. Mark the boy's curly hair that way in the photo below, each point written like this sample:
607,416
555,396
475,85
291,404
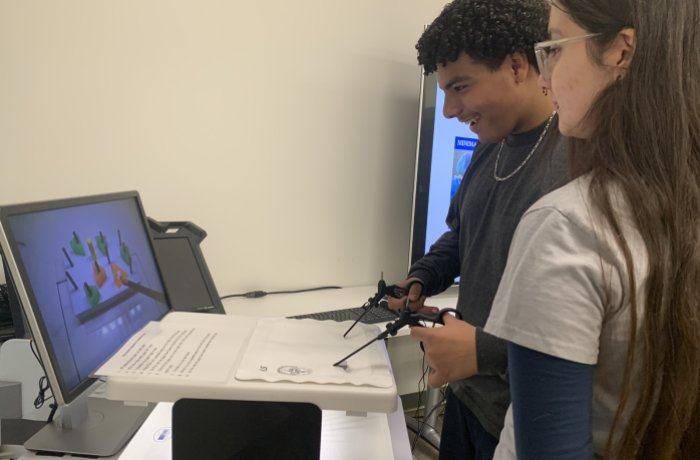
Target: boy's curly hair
487,30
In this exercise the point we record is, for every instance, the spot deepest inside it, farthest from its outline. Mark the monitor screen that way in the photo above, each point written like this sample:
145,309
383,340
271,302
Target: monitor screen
182,275
443,152
86,277
187,279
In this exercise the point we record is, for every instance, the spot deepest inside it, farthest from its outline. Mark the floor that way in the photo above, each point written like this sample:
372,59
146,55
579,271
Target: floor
422,450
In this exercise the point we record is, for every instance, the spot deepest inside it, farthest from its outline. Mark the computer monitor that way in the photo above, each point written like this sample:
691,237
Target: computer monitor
444,149
12,323
87,279
187,279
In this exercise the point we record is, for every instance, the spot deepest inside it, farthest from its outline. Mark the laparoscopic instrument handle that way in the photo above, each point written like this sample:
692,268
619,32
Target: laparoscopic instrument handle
406,318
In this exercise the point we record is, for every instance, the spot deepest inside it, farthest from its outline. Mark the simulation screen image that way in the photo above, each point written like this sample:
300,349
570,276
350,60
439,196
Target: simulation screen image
453,145
94,279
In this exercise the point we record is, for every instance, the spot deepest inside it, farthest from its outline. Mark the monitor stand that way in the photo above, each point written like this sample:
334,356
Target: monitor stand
105,428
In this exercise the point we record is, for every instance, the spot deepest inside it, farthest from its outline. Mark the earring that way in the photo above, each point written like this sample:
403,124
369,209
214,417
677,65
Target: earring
545,91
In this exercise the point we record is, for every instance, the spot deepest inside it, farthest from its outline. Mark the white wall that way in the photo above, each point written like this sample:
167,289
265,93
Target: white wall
286,129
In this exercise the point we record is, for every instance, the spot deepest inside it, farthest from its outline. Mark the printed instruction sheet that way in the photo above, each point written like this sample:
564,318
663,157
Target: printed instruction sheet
175,351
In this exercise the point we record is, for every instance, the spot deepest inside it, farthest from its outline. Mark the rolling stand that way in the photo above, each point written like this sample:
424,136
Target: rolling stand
426,428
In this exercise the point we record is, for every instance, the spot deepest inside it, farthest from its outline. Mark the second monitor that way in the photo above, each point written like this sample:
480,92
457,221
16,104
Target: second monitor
187,279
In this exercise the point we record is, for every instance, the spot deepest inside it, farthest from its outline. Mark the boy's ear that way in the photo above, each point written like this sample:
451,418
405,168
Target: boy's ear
519,66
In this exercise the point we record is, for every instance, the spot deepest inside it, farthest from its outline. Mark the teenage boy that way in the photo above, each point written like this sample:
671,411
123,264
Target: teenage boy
482,51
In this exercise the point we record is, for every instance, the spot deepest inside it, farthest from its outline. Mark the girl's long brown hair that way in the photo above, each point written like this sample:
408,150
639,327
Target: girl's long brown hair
646,140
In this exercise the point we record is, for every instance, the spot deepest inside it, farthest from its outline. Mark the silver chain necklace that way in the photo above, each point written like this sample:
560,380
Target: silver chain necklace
529,155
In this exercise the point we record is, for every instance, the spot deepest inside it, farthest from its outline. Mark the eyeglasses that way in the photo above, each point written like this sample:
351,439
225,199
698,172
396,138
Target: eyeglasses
546,51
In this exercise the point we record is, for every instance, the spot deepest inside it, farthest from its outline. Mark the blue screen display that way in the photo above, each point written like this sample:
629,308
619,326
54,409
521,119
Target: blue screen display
94,280
450,155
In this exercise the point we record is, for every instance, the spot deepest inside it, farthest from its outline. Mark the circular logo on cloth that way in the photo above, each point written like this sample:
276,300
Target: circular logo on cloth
293,370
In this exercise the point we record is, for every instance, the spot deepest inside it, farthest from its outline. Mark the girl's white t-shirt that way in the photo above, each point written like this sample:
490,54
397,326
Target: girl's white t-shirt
565,292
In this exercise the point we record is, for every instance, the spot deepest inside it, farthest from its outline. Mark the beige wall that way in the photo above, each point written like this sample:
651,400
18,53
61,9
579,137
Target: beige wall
286,129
